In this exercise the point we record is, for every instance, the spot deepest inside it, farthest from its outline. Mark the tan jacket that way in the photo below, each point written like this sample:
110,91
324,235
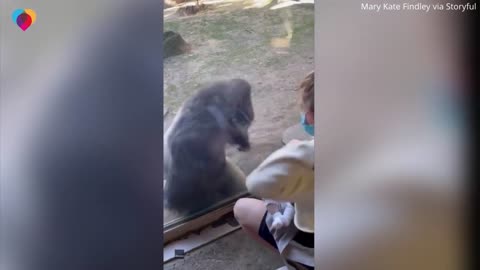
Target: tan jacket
288,175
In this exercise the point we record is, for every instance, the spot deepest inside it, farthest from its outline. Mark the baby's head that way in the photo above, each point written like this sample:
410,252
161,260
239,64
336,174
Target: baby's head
307,102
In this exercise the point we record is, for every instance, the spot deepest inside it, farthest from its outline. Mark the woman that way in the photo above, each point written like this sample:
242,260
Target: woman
285,176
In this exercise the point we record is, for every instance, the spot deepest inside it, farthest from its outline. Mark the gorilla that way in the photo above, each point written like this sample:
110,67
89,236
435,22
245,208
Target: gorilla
196,171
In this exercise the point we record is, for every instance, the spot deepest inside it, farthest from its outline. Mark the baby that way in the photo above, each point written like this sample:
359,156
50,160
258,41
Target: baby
281,212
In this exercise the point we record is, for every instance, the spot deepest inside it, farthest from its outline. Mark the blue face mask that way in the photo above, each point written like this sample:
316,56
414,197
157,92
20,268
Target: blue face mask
308,128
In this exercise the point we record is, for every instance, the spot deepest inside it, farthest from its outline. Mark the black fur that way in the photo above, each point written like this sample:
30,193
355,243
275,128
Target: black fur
195,163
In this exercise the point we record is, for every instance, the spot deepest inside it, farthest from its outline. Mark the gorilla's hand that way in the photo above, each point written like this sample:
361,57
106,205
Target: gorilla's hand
243,143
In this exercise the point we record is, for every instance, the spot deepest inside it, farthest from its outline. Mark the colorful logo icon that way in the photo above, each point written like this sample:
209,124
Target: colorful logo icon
24,18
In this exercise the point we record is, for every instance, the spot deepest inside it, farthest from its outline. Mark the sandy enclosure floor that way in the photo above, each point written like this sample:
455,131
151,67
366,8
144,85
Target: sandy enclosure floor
272,49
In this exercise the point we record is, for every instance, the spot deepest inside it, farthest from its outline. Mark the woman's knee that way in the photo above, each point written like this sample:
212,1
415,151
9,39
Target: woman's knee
248,211
240,210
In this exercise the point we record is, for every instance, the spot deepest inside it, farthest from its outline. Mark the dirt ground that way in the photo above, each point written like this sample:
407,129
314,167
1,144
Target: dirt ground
272,49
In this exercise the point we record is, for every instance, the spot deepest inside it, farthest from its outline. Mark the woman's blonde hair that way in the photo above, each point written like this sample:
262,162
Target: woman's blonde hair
307,93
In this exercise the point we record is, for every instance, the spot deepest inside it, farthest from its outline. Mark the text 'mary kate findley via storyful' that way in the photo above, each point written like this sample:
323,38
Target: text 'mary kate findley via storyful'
418,7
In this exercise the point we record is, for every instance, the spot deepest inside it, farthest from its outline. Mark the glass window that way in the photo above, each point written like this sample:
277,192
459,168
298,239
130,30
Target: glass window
270,44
